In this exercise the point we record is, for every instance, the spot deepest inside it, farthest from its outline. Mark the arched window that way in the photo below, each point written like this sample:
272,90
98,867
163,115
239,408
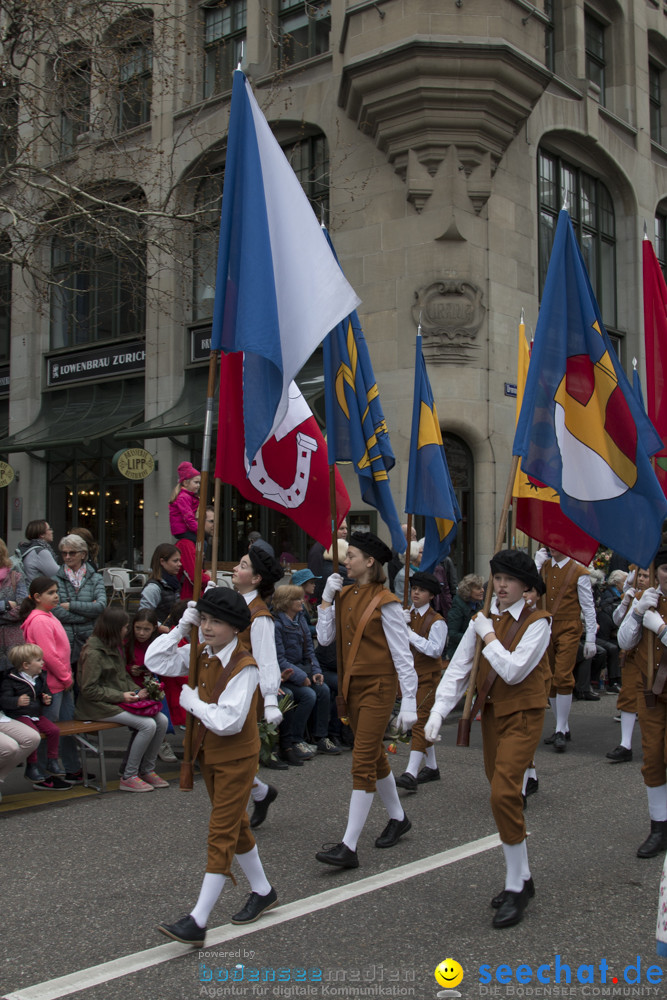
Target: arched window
592,212
98,270
309,158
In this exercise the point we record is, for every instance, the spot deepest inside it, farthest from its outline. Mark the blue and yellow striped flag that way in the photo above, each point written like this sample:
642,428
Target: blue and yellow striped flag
430,491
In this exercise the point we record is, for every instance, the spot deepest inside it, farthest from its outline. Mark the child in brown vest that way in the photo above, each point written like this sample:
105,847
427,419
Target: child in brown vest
510,686
226,741
428,637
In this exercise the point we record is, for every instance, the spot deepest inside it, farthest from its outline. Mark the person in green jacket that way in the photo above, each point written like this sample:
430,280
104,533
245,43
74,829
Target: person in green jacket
105,687
468,600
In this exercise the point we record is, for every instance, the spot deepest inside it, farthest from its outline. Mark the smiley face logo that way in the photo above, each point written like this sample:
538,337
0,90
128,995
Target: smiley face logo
448,973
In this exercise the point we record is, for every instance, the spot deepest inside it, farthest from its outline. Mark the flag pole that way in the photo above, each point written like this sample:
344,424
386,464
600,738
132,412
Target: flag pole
463,735
215,541
187,765
406,582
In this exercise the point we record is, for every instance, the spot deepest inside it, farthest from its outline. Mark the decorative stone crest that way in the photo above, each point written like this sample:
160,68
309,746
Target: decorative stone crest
451,314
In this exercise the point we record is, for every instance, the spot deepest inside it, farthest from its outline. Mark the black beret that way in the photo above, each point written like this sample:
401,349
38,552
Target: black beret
225,604
371,545
519,565
427,581
660,557
266,565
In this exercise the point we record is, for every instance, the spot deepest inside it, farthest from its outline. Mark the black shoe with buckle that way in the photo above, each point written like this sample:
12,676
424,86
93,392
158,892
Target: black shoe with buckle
262,807
407,780
511,909
498,900
393,832
428,774
338,855
186,930
619,755
255,907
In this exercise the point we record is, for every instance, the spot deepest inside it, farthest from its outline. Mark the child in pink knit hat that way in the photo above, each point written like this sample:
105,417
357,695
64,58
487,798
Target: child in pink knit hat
183,508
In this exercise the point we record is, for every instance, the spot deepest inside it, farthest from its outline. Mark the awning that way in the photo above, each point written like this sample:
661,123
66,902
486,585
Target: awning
79,415
186,416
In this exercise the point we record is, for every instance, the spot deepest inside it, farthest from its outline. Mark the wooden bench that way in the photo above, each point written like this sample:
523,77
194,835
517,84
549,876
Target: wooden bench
80,731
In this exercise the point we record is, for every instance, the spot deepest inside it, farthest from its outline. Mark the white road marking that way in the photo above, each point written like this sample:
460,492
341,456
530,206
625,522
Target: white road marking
119,967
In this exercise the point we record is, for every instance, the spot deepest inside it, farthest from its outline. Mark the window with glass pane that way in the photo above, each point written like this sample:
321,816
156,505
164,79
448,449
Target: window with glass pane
75,101
224,37
304,29
99,283
595,54
309,159
549,40
9,118
5,298
208,201
135,84
592,213
655,100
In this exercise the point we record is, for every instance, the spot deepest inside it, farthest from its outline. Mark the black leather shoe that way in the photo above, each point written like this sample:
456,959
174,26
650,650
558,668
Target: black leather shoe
511,909
428,774
291,756
560,742
393,831
656,842
589,696
255,907
338,855
498,900
186,930
261,808
619,755
407,780
550,739
273,764
532,786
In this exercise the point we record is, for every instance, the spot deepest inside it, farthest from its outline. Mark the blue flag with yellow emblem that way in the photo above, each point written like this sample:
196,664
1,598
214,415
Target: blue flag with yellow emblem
582,429
356,428
430,491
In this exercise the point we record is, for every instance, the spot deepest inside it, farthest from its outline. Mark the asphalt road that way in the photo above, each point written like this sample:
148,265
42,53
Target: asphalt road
84,882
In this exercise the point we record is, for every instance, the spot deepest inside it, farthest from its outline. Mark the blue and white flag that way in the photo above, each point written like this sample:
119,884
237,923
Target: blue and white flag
279,289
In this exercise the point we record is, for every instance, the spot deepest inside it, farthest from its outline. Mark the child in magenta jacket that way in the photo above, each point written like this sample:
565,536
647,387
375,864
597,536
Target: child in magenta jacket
184,503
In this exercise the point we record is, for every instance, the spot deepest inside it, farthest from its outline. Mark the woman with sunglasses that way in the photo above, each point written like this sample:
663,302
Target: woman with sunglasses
81,593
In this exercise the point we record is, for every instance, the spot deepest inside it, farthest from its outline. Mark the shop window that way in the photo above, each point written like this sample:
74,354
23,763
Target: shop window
592,213
596,64
98,272
305,27
73,81
5,297
224,38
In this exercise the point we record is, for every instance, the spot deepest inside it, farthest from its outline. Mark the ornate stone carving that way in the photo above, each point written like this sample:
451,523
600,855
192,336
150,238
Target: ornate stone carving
451,312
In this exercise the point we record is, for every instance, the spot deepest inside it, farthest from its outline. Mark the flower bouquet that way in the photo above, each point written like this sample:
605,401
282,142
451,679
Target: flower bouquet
268,731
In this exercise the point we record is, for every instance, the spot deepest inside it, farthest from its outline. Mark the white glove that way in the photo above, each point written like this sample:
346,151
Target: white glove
331,587
432,727
482,625
629,581
541,557
273,715
211,585
628,595
653,621
590,649
649,599
407,717
407,615
189,618
188,697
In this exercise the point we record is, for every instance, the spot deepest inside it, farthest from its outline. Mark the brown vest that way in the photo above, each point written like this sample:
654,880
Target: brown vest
216,749
373,656
638,656
258,609
569,608
529,693
421,624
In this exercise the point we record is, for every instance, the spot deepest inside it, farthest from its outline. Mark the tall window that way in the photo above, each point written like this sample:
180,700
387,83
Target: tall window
304,29
309,158
224,36
9,118
135,73
74,84
655,100
592,212
549,36
5,298
595,53
98,270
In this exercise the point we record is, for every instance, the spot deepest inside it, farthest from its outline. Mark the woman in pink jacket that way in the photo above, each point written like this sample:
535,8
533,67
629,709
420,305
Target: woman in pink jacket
41,627
183,509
